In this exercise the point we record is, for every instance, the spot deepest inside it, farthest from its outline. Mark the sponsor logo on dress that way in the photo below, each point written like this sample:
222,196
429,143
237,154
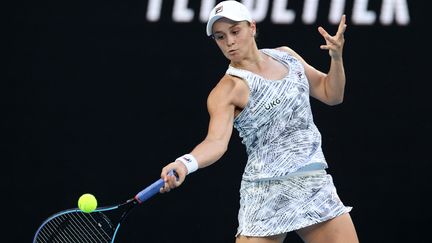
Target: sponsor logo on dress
272,104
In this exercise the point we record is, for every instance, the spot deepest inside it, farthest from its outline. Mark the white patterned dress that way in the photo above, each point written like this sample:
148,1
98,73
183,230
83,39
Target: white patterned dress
281,139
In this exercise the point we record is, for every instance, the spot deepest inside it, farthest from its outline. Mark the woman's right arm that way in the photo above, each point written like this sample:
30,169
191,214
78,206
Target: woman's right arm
221,107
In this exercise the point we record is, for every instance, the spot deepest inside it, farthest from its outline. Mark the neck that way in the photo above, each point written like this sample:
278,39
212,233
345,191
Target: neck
253,59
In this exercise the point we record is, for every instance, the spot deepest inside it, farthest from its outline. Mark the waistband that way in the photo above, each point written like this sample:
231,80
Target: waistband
308,170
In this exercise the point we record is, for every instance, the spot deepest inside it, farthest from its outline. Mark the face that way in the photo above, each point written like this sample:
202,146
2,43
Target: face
234,38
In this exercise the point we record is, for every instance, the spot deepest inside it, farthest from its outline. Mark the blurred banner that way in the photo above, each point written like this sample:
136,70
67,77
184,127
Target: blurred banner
363,12
102,94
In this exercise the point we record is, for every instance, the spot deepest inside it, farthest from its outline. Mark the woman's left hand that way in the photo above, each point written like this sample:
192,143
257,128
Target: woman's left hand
334,43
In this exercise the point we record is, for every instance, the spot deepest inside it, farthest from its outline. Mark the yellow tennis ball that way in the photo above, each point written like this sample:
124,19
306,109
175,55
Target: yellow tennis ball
87,203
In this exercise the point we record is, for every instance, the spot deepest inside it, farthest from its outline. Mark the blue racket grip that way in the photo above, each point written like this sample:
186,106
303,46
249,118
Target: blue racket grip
151,190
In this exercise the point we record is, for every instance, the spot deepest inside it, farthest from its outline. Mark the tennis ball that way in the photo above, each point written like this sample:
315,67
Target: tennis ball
87,203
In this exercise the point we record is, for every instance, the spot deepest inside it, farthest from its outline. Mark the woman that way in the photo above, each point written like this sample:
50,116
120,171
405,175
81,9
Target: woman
265,96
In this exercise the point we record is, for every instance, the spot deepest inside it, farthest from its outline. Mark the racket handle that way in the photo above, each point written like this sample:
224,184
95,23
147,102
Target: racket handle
151,190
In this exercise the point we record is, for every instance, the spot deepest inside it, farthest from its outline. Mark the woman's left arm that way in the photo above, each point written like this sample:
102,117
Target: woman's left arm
328,88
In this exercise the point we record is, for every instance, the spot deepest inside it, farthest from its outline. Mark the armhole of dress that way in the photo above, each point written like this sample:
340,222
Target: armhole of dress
239,74
280,56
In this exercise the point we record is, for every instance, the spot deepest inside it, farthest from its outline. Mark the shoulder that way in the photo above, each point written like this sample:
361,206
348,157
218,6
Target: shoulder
290,51
226,86
227,90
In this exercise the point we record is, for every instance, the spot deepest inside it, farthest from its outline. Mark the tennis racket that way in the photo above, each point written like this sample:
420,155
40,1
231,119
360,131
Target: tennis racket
73,225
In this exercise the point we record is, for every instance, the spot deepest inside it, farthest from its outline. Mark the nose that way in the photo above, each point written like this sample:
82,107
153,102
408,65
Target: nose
230,40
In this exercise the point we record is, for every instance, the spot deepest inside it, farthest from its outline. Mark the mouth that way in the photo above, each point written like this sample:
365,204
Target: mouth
232,51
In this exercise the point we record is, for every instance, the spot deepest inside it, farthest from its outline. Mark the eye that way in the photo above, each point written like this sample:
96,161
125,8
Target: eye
218,36
235,32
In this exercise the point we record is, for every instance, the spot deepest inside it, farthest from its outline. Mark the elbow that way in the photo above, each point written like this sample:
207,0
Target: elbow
335,100
335,97
222,150
334,91
219,148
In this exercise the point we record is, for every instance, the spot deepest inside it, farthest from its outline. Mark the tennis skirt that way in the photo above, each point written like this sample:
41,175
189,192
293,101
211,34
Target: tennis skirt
277,206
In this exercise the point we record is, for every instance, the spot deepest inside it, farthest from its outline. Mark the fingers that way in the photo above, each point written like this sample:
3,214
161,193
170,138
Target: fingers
341,29
172,181
330,40
324,34
334,42
342,25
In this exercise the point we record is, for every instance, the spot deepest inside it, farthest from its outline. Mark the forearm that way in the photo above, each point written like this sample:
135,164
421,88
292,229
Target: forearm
208,152
335,81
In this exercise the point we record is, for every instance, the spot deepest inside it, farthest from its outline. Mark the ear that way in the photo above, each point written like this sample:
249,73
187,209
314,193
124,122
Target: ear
253,27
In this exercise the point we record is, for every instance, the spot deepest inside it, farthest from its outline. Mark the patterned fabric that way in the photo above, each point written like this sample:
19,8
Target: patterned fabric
277,206
276,125
281,139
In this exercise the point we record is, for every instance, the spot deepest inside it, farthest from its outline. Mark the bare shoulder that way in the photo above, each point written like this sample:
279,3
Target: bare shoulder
225,86
228,91
290,51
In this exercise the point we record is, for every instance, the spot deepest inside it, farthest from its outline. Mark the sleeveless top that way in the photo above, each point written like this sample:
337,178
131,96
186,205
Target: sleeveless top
276,125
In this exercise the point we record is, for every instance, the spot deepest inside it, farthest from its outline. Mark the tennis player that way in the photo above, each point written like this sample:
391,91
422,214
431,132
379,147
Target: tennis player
265,96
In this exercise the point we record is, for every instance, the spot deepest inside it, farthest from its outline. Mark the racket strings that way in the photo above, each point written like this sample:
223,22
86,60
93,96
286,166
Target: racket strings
76,227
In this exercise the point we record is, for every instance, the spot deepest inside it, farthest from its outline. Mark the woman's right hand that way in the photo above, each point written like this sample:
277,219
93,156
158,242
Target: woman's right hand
173,181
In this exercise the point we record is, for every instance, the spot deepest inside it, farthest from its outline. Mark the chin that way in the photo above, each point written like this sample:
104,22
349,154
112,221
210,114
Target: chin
233,58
